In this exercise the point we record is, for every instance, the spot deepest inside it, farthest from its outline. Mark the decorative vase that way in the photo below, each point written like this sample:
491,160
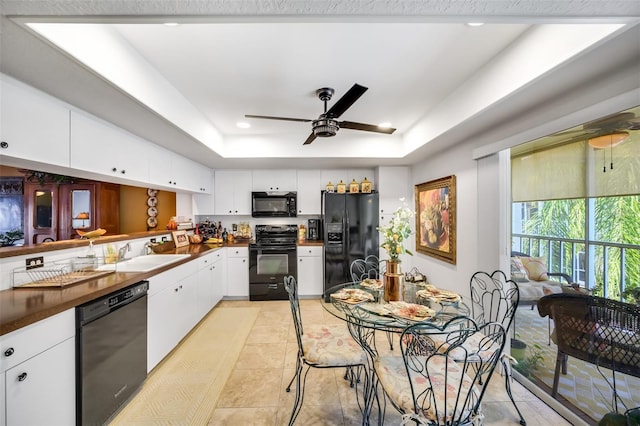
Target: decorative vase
393,281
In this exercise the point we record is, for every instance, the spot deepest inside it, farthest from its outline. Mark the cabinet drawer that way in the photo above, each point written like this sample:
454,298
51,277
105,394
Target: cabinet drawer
33,339
238,252
305,251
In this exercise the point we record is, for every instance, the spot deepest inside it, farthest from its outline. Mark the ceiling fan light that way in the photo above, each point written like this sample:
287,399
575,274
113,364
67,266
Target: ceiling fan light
324,127
609,140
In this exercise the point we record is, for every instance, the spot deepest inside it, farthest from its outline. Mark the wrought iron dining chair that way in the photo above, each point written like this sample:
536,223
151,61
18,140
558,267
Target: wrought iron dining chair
369,267
321,346
443,373
495,298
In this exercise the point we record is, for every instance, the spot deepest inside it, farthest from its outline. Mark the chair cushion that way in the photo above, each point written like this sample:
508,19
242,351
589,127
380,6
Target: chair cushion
393,377
536,268
518,271
331,346
474,346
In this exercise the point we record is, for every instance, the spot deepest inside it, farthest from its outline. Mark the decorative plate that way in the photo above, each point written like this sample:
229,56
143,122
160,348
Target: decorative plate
152,201
152,211
152,222
371,283
438,295
152,192
352,295
411,311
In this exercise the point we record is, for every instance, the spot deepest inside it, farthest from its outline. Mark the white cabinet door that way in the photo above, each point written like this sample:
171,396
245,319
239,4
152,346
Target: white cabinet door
219,270
161,168
33,126
205,286
3,417
190,176
310,270
232,192
102,148
238,271
309,192
41,390
274,180
161,328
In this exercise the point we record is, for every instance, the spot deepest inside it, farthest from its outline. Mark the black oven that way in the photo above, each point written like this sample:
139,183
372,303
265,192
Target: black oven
271,258
274,204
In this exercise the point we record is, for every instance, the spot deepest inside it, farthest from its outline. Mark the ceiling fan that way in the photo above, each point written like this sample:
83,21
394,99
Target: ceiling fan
605,132
326,124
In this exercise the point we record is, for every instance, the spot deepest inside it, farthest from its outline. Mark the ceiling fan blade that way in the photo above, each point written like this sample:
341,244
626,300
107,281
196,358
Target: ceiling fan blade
269,117
346,101
365,127
310,139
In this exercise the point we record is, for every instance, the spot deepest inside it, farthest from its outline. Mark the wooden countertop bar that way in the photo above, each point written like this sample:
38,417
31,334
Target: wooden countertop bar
20,307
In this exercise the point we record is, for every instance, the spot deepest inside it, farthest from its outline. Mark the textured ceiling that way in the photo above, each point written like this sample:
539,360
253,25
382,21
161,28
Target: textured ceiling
437,80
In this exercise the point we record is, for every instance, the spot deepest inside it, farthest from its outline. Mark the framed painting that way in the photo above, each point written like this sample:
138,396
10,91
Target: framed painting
180,238
436,218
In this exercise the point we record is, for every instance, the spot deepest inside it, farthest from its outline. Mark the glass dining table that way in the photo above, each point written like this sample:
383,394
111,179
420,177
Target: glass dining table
367,315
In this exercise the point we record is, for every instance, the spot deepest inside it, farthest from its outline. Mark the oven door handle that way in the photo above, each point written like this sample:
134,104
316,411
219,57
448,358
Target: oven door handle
274,248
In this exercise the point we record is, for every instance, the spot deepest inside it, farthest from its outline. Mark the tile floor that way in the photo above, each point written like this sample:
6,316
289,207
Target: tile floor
254,393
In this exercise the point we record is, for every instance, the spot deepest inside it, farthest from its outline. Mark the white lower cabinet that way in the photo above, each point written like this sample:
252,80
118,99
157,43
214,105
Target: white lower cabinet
210,285
238,271
41,390
170,310
37,373
310,279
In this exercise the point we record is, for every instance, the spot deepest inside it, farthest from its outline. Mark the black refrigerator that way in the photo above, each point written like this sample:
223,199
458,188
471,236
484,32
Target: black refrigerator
349,231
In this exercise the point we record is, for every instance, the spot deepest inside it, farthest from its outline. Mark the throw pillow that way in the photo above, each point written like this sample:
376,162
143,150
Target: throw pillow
518,271
536,268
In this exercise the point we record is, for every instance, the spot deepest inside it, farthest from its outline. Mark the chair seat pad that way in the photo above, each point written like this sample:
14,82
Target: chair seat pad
477,347
392,374
331,346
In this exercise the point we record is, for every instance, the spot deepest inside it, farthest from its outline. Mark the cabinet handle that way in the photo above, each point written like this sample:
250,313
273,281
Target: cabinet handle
22,377
114,169
300,260
4,144
9,352
244,260
123,171
175,289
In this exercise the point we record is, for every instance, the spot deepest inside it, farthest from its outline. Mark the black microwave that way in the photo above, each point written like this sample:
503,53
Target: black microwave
274,204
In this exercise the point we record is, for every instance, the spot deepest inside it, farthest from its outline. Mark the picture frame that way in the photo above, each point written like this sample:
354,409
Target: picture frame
180,238
436,218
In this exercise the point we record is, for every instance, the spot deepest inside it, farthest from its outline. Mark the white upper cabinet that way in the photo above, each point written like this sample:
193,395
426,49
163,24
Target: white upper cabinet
99,147
33,126
309,191
173,171
232,192
274,180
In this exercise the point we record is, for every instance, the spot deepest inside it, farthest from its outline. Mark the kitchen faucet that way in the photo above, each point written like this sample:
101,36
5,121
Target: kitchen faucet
122,251
147,248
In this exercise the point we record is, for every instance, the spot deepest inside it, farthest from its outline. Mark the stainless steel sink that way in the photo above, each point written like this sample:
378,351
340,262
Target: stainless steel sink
145,263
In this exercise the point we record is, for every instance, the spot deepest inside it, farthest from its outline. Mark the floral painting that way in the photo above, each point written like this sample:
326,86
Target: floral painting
436,218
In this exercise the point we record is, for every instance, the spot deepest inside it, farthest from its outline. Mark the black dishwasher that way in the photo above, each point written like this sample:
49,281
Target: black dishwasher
111,353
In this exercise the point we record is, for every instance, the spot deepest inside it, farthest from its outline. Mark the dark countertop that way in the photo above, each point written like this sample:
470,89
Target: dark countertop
20,307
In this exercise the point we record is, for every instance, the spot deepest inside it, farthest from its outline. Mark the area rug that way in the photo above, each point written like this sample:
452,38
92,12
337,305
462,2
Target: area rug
185,387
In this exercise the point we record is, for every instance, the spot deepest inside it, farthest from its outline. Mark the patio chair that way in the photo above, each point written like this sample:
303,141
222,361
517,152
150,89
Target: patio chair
441,381
320,346
600,331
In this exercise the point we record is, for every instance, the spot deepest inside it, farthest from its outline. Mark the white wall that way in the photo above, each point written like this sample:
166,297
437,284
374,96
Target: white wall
456,161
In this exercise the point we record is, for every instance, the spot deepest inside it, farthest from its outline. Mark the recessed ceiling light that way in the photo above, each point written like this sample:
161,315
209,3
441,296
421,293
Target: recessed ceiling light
475,24
386,124
243,124
171,24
